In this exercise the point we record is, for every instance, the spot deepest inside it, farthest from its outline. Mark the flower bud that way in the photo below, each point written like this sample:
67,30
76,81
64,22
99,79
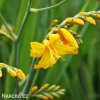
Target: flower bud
20,74
12,73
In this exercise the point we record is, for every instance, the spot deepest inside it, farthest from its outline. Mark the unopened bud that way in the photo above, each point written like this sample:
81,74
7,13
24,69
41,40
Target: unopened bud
45,86
12,73
20,74
34,89
90,20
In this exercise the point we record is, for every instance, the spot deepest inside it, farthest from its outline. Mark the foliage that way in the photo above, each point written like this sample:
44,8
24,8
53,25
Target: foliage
78,74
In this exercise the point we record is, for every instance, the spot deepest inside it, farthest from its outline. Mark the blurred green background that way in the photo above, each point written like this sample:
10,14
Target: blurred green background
79,74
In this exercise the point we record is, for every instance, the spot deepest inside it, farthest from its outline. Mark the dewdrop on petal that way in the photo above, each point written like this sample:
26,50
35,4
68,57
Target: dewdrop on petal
20,74
0,73
90,20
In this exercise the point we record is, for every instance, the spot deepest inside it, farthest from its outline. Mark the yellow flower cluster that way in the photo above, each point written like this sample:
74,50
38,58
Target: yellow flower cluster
62,41
14,72
47,92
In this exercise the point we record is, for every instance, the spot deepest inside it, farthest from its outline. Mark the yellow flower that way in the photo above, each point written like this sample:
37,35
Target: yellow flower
51,51
67,38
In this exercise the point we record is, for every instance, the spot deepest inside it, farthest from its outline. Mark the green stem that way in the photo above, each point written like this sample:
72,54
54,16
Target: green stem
5,23
30,78
18,41
20,33
47,8
35,77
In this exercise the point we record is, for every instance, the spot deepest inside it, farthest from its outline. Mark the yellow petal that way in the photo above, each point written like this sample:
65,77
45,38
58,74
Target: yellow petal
90,20
20,74
37,49
68,37
53,38
78,21
65,49
46,60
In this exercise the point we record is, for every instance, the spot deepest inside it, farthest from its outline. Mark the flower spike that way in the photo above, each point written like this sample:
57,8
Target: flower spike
49,93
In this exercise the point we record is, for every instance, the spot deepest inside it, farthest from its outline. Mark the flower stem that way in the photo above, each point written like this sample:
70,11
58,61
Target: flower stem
47,8
20,33
18,41
30,78
35,77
